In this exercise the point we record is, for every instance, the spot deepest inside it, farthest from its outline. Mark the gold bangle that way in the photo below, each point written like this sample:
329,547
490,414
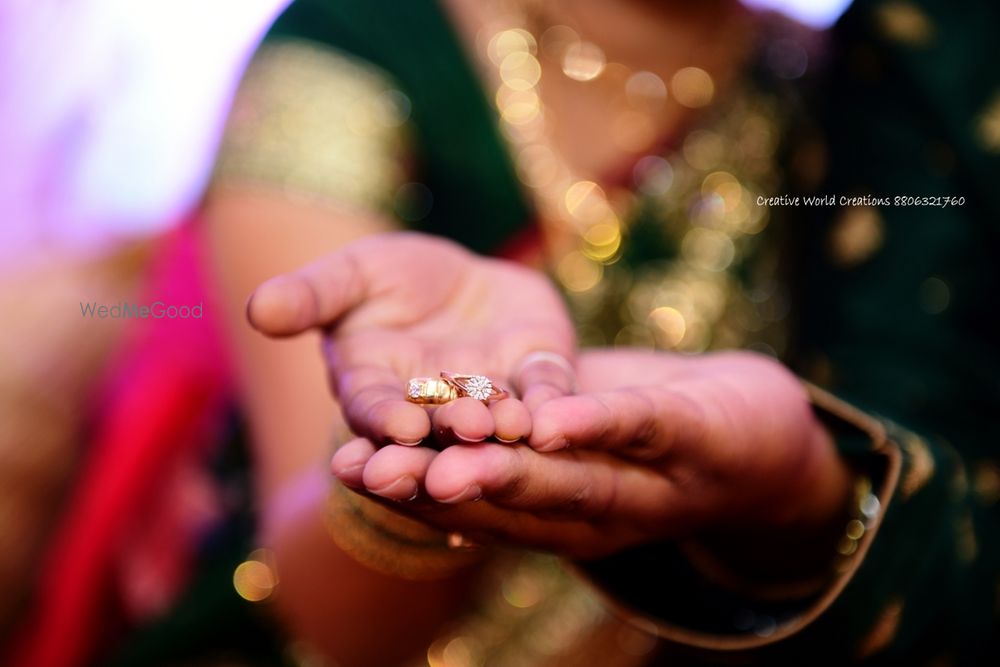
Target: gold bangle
392,544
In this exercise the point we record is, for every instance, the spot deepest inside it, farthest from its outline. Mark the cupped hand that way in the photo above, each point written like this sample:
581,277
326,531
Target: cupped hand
654,447
402,305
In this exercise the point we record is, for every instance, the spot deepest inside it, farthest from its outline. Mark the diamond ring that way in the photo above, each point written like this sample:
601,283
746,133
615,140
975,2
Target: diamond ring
435,391
478,387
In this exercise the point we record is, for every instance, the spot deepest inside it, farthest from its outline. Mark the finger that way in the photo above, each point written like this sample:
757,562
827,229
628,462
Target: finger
463,420
578,486
485,523
547,329
374,406
647,423
396,472
381,413
511,419
315,295
349,461
543,376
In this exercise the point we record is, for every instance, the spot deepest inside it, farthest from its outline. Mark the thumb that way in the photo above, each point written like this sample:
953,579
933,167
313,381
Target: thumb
314,296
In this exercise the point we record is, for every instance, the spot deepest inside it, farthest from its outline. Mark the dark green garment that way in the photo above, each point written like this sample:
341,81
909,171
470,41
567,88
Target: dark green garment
477,199
908,333
913,333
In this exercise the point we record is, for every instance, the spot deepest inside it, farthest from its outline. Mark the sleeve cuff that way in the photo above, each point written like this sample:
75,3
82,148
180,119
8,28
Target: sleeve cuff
689,609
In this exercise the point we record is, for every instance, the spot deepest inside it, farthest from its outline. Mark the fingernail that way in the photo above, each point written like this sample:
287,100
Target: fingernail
404,488
469,493
471,441
555,444
505,440
408,443
344,472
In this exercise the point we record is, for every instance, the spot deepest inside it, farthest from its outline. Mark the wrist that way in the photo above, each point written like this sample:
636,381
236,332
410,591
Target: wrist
790,550
825,490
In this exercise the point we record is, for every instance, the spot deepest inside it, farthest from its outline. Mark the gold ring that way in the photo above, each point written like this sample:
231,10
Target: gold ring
430,391
478,387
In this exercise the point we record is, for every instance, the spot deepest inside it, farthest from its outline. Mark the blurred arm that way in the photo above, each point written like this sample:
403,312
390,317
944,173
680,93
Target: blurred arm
301,171
328,598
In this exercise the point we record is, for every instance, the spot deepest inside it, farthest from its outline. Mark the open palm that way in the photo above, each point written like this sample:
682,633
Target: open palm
401,305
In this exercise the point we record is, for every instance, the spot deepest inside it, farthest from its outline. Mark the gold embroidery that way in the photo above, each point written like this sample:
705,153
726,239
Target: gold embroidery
884,631
312,122
986,482
905,23
856,236
531,611
988,125
921,467
703,199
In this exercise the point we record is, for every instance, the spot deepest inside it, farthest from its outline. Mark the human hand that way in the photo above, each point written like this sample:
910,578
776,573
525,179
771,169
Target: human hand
401,305
654,447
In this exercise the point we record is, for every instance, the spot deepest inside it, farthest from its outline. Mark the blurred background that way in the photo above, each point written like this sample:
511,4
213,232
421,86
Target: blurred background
109,109
110,113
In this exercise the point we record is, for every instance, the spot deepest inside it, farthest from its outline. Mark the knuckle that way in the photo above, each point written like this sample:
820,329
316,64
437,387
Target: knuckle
647,428
608,422
514,483
579,501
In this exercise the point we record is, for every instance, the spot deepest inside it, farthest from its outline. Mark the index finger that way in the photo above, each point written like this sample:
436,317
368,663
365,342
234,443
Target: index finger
644,423
570,486
543,376
375,406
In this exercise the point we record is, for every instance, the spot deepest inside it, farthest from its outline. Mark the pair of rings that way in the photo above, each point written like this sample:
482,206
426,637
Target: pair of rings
450,386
